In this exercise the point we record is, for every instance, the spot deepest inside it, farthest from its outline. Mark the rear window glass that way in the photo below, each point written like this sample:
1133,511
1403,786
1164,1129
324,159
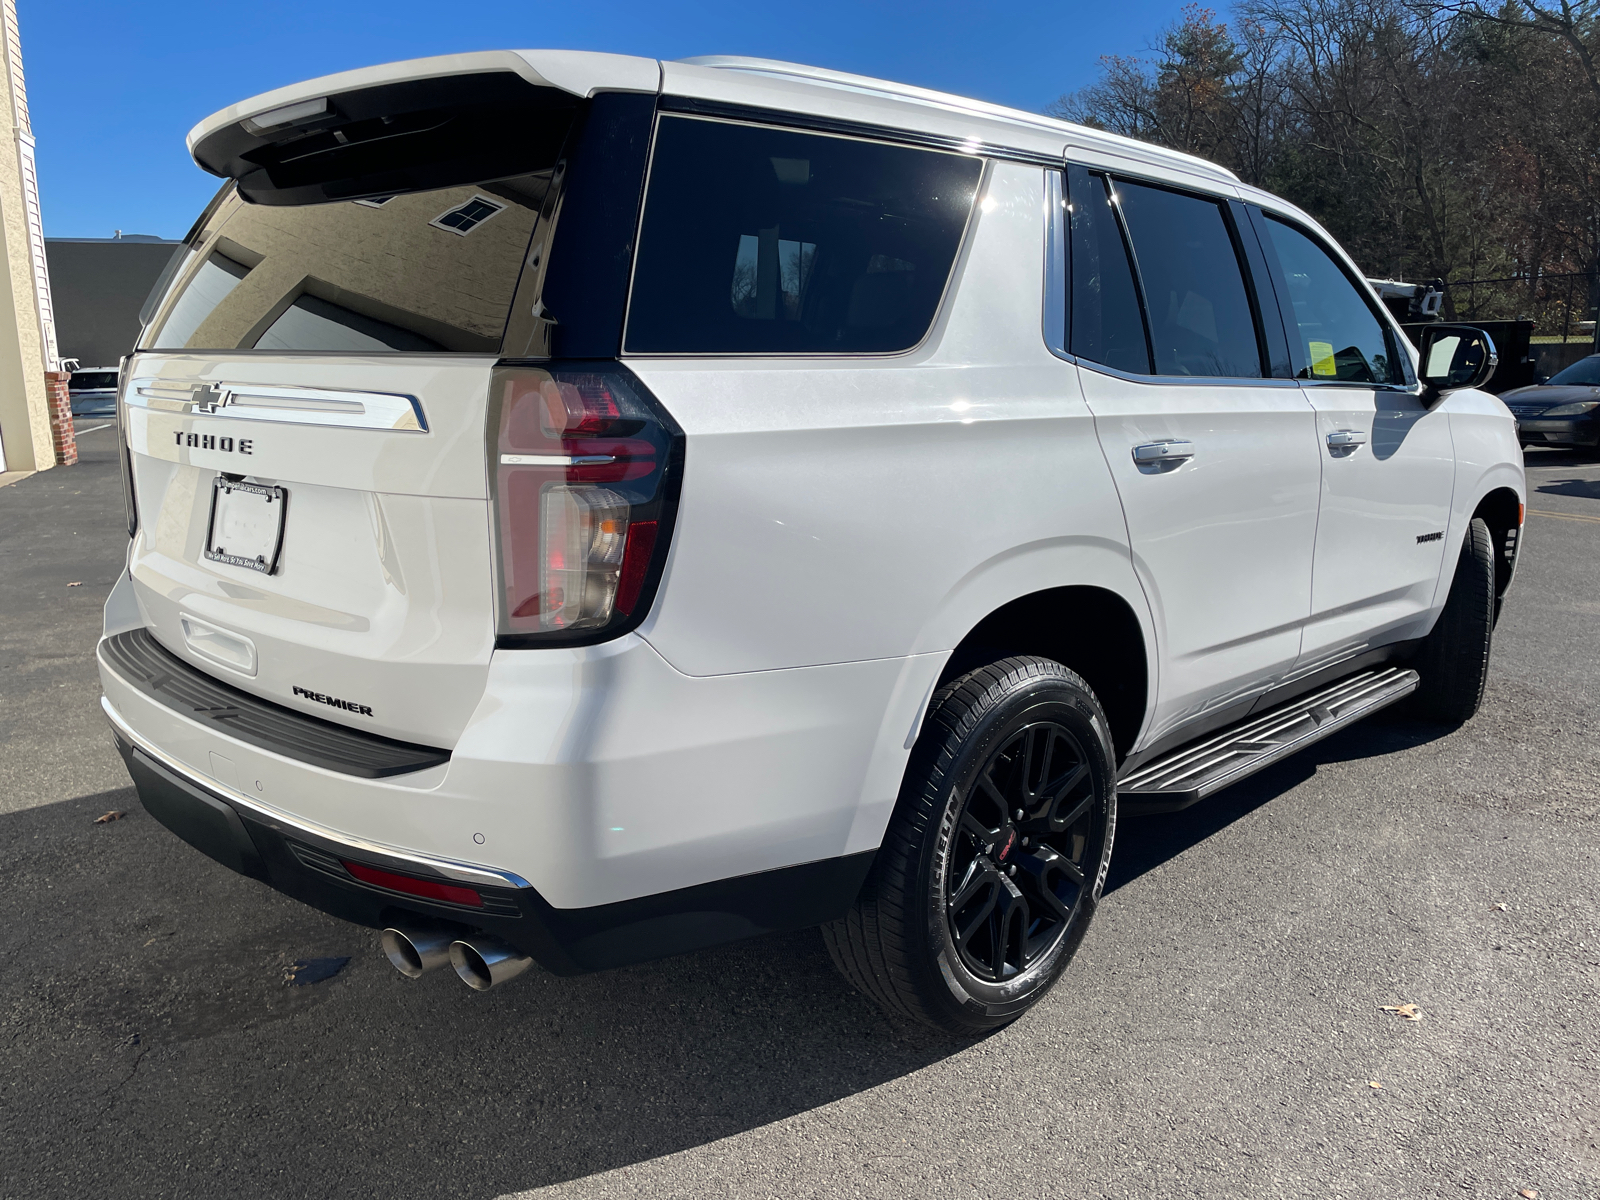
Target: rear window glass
766,241
429,271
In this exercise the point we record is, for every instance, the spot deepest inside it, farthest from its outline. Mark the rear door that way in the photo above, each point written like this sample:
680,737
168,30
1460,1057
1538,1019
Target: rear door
1215,460
1388,463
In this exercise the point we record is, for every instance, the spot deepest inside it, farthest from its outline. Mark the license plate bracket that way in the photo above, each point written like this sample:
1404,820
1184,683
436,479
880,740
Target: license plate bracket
246,527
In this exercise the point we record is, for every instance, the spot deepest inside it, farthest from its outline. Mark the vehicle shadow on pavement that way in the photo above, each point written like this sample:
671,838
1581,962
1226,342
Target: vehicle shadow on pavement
1583,489
154,1046
1144,843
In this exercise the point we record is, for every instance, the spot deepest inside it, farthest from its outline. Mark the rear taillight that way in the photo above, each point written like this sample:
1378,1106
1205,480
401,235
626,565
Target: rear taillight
585,465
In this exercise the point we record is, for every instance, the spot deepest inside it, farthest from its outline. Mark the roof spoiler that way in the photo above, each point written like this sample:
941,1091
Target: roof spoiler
409,126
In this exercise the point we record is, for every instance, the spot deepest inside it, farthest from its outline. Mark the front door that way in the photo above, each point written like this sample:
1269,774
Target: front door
1388,463
1216,465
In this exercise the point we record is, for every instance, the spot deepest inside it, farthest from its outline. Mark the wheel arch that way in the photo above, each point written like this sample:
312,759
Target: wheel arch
1115,660
1501,509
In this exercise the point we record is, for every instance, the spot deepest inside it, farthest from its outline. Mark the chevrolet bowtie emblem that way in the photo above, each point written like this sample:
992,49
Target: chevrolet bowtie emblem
207,397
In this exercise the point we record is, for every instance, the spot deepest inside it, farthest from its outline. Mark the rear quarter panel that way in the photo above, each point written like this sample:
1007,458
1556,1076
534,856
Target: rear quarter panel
849,509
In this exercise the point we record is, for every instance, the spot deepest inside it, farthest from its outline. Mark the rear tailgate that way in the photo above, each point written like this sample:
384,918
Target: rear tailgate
379,609
306,415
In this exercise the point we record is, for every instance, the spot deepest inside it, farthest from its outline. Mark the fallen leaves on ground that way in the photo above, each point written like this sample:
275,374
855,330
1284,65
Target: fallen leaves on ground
1409,1011
1373,1083
116,814
1528,1193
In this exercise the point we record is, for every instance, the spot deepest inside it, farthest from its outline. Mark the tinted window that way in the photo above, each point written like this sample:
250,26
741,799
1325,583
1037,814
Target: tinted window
90,380
1194,293
428,271
1585,370
1340,337
760,240
1106,325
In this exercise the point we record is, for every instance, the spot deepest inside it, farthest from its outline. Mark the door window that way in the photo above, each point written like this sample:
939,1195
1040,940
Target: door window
1106,325
1340,339
1199,311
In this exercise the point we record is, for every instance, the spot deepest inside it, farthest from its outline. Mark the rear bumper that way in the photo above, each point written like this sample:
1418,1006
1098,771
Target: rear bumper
620,809
600,774
308,864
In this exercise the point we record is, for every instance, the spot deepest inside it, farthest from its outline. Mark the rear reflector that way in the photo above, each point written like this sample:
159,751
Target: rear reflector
428,889
635,562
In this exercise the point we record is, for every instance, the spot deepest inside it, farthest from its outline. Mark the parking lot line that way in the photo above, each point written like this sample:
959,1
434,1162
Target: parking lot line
1545,512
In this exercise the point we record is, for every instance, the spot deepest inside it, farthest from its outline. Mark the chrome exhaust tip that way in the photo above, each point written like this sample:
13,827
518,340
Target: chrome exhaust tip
414,952
484,962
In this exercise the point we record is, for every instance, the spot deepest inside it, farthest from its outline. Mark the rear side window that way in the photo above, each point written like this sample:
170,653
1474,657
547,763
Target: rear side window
766,241
1199,310
1340,338
1107,327
428,271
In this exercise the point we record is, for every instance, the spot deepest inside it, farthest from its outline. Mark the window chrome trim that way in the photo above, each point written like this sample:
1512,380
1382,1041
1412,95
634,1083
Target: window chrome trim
1183,380
449,868
334,407
754,115
1056,281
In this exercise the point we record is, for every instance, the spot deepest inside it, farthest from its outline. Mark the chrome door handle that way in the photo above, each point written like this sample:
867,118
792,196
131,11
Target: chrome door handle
1346,439
1163,452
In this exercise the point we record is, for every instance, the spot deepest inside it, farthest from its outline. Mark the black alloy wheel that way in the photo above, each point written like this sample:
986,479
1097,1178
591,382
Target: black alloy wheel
991,868
1015,874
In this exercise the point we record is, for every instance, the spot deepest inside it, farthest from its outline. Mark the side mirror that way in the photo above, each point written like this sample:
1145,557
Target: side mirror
1454,357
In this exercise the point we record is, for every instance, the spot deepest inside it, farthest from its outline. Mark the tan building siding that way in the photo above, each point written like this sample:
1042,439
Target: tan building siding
27,334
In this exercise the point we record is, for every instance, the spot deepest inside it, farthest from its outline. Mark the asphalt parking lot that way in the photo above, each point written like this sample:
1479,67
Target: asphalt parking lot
1221,1033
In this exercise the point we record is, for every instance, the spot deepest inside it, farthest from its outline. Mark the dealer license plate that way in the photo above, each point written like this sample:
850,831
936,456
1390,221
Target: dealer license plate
246,525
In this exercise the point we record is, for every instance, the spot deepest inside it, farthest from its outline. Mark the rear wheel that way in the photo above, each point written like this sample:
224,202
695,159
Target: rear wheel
992,865
1454,662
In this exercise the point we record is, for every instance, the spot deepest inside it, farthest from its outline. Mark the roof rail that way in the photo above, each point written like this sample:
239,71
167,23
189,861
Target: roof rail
948,100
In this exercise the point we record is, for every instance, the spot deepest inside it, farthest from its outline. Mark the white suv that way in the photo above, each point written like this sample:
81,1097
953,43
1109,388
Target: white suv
586,508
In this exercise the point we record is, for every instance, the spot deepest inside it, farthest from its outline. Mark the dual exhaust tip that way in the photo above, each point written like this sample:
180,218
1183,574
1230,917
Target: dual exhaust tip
481,961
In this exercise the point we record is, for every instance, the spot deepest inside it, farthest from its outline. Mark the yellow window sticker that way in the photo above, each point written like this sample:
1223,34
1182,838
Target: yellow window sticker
1322,359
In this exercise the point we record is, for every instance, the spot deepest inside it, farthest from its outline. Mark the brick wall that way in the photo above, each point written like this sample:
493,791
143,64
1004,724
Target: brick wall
61,435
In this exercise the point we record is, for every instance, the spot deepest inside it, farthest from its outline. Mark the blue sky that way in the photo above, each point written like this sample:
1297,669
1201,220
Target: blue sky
114,86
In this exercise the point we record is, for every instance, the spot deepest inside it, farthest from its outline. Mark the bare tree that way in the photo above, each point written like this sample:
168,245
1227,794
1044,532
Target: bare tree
1435,138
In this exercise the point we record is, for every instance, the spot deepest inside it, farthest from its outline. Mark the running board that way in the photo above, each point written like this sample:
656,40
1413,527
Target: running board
1195,771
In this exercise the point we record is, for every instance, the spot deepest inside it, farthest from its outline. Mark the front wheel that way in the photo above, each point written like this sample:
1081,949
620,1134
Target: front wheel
1454,660
993,863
